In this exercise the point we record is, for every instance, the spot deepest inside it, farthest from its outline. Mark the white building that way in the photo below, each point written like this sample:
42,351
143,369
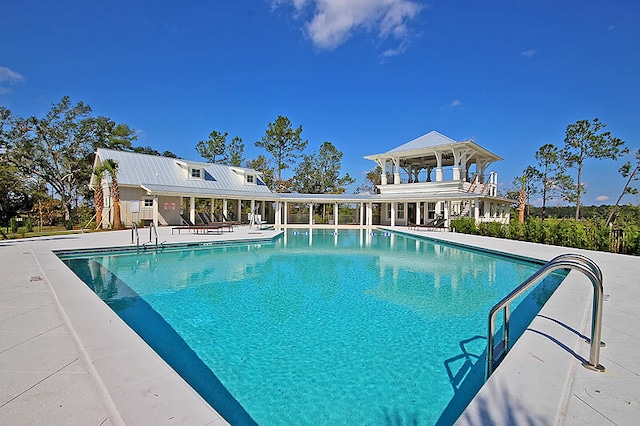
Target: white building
428,177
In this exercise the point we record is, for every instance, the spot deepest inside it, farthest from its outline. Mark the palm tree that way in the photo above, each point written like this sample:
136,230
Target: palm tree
98,194
111,167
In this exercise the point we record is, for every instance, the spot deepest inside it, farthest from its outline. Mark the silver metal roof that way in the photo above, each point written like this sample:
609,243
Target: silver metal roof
425,145
163,172
429,140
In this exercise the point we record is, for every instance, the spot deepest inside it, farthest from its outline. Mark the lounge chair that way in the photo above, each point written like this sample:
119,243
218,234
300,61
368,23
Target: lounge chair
437,223
206,221
226,219
198,229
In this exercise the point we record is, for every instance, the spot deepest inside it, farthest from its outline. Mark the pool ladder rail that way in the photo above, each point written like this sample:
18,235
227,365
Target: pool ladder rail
565,261
135,236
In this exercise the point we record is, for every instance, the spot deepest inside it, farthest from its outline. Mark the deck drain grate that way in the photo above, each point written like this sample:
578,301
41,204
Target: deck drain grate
34,278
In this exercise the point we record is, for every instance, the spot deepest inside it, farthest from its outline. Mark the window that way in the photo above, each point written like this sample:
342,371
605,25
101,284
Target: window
196,173
431,210
148,202
249,178
400,210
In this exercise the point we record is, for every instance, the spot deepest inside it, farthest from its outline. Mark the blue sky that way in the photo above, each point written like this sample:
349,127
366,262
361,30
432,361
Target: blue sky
366,75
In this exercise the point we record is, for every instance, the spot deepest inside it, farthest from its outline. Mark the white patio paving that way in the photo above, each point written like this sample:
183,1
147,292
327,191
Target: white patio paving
66,358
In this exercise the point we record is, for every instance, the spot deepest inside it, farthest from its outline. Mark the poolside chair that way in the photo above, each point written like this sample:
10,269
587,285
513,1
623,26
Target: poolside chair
438,223
205,220
185,220
226,219
198,229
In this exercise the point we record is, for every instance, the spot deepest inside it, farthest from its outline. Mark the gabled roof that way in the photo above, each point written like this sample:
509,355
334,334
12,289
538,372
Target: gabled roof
430,140
422,149
154,171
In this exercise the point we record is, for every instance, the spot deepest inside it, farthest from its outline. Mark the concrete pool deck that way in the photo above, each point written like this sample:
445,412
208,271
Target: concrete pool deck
66,358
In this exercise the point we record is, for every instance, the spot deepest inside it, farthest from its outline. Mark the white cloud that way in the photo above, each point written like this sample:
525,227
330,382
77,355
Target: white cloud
332,22
529,53
602,198
9,77
451,105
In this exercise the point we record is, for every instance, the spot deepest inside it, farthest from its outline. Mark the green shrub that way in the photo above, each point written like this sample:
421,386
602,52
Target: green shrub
492,229
28,224
590,234
516,230
464,225
13,225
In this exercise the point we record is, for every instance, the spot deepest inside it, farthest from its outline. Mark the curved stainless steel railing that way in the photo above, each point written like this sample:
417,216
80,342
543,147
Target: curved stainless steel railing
152,227
134,233
576,262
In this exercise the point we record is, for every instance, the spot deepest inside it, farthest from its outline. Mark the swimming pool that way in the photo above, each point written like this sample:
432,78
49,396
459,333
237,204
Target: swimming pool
319,327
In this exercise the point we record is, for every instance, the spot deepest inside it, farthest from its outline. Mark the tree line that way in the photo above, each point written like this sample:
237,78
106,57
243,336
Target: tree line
551,176
315,173
48,161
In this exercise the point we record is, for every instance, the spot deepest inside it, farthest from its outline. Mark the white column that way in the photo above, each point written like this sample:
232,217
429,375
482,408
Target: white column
393,214
310,214
239,211
396,171
439,166
476,210
418,213
335,213
369,214
362,213
213,203
253,206
383,177
286,210
155,211
225,209
192,209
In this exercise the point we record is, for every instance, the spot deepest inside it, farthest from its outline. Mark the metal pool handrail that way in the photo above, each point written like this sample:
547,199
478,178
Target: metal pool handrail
152,226
564,261
134,231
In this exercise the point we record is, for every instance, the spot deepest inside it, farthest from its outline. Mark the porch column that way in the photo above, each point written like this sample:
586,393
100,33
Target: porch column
396,171
286,210
335,213
418,213
155,210
383,176
225,209
278,218
439,166
393,214
192,209
476,210
213,202
253,206
362,213
310,214
369,215
239,211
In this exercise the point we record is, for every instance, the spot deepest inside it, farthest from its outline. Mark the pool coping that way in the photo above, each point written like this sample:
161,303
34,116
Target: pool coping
148,390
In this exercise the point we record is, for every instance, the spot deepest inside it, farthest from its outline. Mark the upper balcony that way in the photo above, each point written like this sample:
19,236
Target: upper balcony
435,163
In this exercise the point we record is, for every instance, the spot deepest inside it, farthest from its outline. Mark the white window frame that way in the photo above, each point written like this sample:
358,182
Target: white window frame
194,170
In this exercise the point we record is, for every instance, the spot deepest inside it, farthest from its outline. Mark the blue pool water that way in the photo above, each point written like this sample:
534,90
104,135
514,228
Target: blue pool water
320,328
